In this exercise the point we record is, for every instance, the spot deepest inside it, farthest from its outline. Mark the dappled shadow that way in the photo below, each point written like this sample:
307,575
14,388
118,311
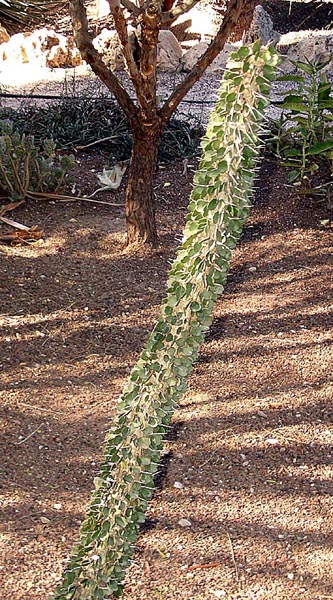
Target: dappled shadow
75,317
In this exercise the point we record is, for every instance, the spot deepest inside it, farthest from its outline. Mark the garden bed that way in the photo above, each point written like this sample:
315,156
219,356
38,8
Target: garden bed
254,445
249,462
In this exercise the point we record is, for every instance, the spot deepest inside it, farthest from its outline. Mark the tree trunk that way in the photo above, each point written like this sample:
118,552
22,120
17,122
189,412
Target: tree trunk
140,200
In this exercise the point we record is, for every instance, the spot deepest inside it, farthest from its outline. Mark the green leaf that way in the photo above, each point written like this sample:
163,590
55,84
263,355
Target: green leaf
305,67
293,78
321,65
293,106
326,104
320,148
293,176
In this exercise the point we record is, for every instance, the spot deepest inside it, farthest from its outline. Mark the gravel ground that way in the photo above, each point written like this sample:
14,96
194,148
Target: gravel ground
252,450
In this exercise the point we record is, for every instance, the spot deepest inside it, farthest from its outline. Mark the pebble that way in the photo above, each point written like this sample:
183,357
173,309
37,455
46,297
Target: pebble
178,485
184,523
261,413
272,441
252,269
57,505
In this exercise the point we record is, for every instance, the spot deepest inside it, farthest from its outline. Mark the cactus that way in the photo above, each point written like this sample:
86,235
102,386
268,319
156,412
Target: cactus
219,206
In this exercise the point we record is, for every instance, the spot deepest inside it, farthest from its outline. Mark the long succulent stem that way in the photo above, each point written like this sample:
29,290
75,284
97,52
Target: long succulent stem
219,206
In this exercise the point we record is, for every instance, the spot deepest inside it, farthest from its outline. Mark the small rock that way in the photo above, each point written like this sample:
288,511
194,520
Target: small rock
272,441
178,485
184,523
252,269
261,413
57,506
290,576
45,520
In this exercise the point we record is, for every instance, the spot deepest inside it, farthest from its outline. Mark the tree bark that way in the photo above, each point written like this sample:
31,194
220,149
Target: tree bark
140,199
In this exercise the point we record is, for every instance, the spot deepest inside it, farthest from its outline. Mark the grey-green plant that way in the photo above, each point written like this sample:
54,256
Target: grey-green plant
84,122
219,206
25,169
303,135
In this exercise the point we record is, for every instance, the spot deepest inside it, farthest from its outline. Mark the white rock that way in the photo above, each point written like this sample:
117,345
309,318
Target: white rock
42,46
191,57
184,523
95,557
198,24
315,46
272,441
103,8
252,269
57,506
107,44
178,485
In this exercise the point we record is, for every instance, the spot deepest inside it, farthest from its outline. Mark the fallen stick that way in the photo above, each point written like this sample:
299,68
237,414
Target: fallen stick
204,566
30,435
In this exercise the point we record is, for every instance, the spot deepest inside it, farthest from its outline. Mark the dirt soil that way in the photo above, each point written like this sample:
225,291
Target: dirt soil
252,450
250,462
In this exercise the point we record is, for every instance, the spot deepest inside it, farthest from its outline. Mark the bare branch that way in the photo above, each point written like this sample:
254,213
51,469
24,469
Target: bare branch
94,59
232,14
171,15
135,74
122,31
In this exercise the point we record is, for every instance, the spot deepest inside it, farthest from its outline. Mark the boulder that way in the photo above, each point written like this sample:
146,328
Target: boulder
198,24
191,57
315,46
261,27
107,44
169,51
44,47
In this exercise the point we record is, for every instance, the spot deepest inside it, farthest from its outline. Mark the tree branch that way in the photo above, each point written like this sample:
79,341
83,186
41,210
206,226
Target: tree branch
122,31
94,59
170,16
135,74
232,14
130,6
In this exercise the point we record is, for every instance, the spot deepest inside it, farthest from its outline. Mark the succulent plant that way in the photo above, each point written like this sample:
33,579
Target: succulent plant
219,206
25,169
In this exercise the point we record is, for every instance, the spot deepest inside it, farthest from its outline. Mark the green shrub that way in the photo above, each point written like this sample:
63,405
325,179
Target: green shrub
73,122
25,169
303,138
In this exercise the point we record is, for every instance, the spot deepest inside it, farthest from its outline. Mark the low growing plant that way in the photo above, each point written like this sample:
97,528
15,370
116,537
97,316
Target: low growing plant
74,122
303,137
25,169
219,206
